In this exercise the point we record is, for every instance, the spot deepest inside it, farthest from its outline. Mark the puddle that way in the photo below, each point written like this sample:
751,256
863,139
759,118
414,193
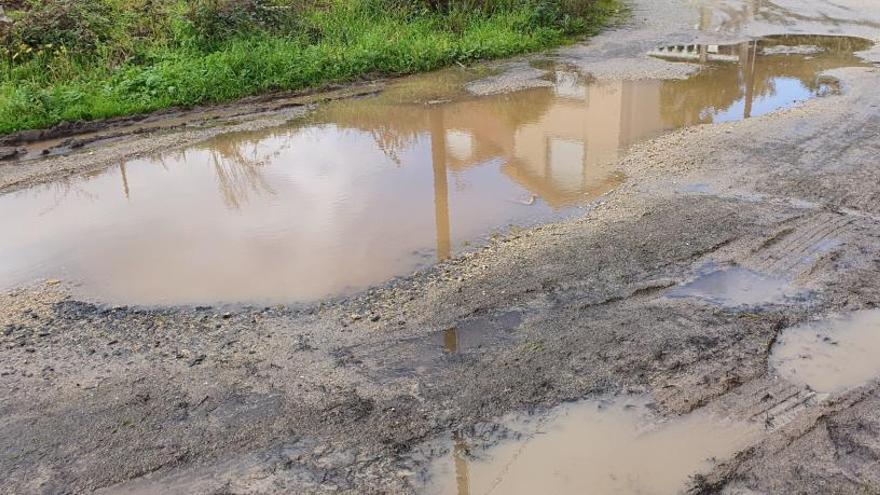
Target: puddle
761,76
468,339
735,286
614,447
370,188
831,355
478,332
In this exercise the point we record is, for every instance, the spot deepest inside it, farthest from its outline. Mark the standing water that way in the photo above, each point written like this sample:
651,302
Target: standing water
592,447
366,189
830,355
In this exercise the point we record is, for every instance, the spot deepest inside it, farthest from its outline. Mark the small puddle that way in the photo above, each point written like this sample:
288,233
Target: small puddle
475,333
592,447
366,189
830,355
735,286
469,338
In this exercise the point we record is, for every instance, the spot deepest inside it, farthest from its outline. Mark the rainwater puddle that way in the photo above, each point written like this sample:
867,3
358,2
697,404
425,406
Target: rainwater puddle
613,447
478,332
467,339
831,355
366,189
735,286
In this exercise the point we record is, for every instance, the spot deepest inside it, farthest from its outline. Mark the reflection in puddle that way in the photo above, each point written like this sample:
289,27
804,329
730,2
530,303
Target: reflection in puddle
593,447
764,75
366,189
736,286
831,355
462,472
450,340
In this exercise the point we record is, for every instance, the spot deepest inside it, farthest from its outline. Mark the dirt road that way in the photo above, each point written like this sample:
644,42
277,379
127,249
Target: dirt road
643,295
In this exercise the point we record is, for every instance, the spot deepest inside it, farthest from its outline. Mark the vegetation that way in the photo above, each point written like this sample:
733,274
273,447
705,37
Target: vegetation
70,60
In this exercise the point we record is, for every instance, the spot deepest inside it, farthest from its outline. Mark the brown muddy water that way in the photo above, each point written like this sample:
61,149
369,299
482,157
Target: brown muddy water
366,189
596,447
831,355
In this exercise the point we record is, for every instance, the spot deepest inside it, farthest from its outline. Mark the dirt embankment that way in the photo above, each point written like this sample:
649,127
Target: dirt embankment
348,395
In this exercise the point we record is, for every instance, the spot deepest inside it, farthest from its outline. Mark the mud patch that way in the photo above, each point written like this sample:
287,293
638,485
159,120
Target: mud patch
245,473
616,446
831,355
735,286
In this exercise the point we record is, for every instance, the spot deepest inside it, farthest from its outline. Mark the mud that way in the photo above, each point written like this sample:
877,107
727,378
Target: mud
365,393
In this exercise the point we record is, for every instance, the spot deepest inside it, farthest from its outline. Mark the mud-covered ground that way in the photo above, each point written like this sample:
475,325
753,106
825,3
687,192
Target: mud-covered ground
352,395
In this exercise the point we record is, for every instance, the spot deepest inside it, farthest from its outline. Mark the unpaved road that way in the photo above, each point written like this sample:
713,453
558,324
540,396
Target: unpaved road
349,395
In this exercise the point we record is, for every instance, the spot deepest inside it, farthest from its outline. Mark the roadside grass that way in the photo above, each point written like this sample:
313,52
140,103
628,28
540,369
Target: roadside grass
116,63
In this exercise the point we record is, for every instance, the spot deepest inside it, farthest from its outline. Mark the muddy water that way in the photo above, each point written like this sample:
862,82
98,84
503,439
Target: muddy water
831,355
735,286
615,447
370,188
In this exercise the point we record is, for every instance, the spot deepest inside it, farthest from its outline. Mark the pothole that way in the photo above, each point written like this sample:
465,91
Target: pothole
367,189
597,447
830,355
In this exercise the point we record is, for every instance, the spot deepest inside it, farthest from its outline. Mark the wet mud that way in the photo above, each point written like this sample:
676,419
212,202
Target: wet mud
687,297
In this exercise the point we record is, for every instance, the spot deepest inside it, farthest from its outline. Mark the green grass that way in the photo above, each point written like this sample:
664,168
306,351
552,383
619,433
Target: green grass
186,57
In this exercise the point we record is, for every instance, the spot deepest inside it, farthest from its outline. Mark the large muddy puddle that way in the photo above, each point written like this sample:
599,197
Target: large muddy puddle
831,355
596,447
366,189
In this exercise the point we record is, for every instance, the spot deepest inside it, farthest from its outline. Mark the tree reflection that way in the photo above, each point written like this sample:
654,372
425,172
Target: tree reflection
238,171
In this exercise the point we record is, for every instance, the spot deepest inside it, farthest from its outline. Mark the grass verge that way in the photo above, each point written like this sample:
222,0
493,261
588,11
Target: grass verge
74,60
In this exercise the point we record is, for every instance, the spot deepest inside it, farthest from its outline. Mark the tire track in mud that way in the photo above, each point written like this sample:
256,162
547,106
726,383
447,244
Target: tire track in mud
796,249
